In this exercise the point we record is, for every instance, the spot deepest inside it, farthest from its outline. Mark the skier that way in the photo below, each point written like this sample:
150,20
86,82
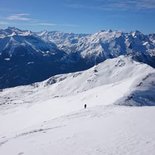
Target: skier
85,106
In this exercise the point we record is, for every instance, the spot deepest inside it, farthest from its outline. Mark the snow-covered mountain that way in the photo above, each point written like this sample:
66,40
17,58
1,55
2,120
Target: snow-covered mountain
11,31
48,117
62,39
27,57
112,74
102,45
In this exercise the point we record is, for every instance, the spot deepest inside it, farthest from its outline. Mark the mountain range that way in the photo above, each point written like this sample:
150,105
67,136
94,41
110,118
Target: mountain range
27,57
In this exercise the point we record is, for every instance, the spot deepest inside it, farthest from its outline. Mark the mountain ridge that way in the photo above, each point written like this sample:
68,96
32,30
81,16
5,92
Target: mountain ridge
127,78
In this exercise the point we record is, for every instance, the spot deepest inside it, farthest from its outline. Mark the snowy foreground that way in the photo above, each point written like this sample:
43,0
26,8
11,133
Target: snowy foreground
48,118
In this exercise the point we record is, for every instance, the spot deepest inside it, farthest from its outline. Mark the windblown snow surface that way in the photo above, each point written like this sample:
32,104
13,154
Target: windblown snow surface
48,118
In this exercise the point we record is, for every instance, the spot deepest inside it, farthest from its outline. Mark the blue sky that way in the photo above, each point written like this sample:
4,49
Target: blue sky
79,16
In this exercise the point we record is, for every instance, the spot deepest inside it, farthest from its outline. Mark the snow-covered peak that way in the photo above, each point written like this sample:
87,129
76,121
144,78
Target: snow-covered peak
136,33
152,37
42,33
106,35
59,37
12,31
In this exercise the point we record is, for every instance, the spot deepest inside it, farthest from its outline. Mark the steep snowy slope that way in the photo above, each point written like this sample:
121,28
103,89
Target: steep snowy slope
143,94
48,117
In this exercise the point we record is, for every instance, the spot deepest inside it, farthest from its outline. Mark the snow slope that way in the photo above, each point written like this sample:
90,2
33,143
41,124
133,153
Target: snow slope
48,117
96,131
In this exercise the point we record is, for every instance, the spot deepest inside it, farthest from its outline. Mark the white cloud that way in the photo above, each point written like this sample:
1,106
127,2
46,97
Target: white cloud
19,17
53,24
112,4
13,19
46,24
